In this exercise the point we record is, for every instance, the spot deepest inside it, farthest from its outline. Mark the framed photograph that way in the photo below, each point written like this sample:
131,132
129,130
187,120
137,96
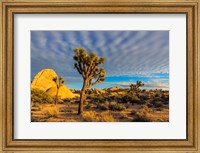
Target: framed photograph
114,76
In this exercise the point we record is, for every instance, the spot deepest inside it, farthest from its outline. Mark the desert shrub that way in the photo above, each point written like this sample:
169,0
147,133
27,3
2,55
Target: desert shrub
40,96
144,97
165,97
90,105
107,117
35,98
117,107
159,109
62,109
103,106
150,105
86,103
34,104
60,100
128,105
92,116
50,111
112,106
130,98
143,114
157,95
123,115
166,102
96,98
158,104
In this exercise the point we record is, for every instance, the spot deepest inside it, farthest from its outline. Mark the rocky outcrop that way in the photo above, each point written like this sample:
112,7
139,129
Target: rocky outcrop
63,92
95,91
44,81
115,89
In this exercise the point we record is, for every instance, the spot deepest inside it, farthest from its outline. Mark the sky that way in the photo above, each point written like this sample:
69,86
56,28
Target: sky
129,56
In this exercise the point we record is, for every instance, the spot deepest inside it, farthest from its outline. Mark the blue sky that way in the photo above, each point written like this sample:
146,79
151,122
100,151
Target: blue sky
129,55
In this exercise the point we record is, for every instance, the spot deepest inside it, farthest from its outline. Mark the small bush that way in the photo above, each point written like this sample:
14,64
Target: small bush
90,106
143,114
63,109
60,100
144,97
158,104
107,117
166,102
35,98
130,98
159,109
50,111
150,105
92,116
104,106
117,107
97,98
40,96
165,97
157,95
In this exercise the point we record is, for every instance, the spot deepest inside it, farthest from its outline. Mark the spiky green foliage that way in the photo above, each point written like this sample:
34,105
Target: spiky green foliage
87,66
40,96
139,84
59,82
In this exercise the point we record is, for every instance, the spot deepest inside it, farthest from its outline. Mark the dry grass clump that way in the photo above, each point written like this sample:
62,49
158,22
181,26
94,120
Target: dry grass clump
40,96
96,97
117,107
143,114
158,104
50,111
92,116
103,106
114,106
130,98
123,115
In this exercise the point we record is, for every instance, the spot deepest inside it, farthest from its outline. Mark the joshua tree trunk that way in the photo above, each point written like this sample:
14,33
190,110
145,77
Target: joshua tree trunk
58,85
56,96
82,98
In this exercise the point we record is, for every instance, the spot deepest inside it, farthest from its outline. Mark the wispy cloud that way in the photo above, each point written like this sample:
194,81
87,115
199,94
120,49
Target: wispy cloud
126,53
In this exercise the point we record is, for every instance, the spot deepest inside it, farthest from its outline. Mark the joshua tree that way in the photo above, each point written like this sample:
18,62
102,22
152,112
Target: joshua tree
59,83
87,65
139,84
135,87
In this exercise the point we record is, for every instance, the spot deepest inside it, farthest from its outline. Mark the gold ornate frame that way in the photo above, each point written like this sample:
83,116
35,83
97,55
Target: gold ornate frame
10,7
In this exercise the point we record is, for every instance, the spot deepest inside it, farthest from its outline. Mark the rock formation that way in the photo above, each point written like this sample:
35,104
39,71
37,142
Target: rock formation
115,89
95,91
44,81
63,92
98,91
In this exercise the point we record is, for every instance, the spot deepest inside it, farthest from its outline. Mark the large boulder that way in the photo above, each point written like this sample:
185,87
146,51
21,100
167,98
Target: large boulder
63,92
44,81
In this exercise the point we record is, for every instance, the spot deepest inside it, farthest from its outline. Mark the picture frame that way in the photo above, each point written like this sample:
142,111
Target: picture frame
11,7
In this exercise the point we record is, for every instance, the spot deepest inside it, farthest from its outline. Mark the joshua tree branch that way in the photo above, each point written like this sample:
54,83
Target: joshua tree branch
80,66
78,69
97,81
